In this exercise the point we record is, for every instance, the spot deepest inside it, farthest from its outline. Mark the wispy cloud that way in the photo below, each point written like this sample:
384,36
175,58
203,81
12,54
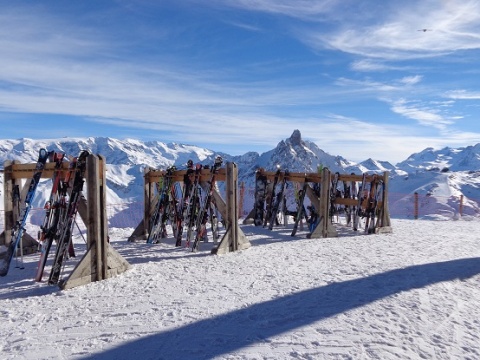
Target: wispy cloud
394,34
380,89
411,80
463,95
245,26
423,115
371,65
301,9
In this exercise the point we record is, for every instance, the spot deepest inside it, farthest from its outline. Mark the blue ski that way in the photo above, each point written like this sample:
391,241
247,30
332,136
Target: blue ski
19,227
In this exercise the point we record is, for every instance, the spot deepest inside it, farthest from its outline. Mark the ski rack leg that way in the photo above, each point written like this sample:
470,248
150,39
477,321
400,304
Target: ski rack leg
101,261
384,224
234,239
324,227
8,185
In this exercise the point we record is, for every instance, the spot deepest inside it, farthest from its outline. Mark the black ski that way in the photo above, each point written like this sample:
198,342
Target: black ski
64,232
333,197
360,199
160,214
270,198
188,179
347,194
52,214
260,193
300,208
278,200
194,203
371,206
202,216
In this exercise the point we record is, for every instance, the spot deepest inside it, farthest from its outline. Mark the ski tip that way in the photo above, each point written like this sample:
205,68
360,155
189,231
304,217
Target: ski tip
43,153
4,268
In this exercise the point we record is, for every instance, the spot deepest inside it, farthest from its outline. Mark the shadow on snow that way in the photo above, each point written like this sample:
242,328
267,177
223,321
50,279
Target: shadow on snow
257,323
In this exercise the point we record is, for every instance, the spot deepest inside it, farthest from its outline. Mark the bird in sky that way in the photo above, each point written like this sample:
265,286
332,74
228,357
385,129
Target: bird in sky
424,30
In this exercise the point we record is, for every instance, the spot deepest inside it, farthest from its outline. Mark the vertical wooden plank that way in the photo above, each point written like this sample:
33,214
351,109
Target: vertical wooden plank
102,188
93,228
325,200
242,199
324,227
385,210
147,200
232,205
234,239
460,206
415,205
7,203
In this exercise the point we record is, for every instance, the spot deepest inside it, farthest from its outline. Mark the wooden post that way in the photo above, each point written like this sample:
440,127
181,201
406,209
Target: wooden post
100,261
460,206
8,182
415,205
234,238
94,235
384,224
242,198
324,227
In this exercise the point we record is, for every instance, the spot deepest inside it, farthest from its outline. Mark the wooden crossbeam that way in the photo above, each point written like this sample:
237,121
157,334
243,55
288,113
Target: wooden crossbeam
315,177
153,176
26,171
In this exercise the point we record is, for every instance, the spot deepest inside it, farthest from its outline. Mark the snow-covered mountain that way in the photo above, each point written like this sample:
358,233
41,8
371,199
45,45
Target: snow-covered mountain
460,159
440,177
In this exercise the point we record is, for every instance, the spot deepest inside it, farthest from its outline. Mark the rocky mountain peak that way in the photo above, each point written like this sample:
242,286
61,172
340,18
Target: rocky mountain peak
296,138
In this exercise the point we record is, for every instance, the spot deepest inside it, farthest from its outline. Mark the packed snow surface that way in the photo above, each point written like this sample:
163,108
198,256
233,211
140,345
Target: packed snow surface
410,294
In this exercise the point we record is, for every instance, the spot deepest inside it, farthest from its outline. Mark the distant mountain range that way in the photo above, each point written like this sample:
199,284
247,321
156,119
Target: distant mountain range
440,177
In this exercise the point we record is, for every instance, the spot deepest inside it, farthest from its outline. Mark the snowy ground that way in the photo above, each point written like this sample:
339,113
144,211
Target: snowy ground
411,294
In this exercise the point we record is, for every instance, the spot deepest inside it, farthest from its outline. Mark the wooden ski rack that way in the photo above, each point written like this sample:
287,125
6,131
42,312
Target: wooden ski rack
234,239
100,261
322,202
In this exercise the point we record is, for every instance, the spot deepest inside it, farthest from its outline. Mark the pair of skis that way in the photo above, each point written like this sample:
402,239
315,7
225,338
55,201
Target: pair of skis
67,218
54,207
301,212
19,226
260,194
278,198
193,205
202,216
160,214
369,194
182,206
375,192
273,198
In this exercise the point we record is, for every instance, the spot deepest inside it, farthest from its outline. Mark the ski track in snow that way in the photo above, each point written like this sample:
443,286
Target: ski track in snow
411,294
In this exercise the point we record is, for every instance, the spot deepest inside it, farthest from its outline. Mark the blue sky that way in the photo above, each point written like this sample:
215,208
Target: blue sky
356,77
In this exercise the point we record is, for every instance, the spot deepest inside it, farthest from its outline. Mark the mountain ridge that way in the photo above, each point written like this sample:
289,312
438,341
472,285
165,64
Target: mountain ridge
443,175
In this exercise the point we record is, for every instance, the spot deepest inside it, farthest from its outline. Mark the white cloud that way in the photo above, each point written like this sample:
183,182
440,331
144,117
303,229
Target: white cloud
463,95
301,9
411,80
370,65
393,33
424,116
